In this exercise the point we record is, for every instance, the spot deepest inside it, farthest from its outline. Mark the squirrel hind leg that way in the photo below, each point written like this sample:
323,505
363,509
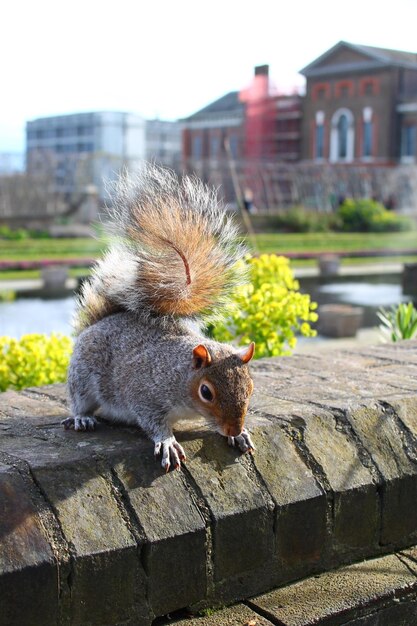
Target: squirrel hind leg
79,422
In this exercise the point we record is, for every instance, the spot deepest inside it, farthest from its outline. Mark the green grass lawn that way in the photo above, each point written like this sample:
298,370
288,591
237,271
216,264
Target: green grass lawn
32,249
37,249
280,243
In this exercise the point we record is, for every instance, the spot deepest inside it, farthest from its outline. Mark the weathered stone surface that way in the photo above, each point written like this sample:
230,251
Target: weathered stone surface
340,596
57,392
333,479
40,412
382,437
301,531
355,512
107,582
174,554
28,573
238,615
240,509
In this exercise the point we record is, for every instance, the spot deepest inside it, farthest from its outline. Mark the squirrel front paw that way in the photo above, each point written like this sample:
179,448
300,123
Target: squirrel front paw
79,423
172,453
242,441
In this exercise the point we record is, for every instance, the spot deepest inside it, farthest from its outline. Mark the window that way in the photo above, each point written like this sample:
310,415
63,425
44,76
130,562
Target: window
367,139
319,139
342,134
214,146
233,140
320,91
344,89
367,132
197,147
368,89
408,140
342,137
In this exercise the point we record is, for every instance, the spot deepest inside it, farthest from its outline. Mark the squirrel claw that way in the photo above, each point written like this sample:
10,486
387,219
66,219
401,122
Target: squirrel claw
243,442
172,453
79,423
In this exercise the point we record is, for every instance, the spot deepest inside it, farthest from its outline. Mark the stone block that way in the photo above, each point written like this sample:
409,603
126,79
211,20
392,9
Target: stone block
382,438
302,541
28,573
398,352
242,516
107,583
237,615
339,320
409,279
355,515
39,411
340,596
174,550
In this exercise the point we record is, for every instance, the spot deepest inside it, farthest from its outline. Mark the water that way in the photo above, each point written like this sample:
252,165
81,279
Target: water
34,315
364,294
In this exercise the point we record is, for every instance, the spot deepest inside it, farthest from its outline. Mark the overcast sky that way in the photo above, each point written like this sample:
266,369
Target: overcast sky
168,58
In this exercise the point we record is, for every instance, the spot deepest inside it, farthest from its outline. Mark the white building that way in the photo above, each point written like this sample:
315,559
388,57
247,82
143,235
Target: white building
163,142
84,149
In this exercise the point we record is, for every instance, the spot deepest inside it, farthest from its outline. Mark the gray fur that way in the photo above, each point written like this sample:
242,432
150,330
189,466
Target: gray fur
172,259
142,375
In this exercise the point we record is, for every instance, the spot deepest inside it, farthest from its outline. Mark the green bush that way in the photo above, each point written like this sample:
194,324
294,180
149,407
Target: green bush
33,360
16,234
300,220
367,215
269,310
19,234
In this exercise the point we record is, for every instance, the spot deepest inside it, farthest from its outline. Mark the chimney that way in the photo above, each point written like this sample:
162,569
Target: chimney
262,70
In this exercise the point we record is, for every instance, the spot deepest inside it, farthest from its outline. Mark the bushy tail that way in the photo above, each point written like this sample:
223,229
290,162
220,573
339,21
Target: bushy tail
174,251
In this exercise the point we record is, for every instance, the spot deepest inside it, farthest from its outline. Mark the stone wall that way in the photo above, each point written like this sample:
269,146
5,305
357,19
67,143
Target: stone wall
92,531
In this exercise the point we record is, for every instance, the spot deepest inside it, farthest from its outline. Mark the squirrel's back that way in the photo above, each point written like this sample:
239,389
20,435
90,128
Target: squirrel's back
174,251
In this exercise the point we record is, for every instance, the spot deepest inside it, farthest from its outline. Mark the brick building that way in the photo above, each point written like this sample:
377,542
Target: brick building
360,106
259,125
205,131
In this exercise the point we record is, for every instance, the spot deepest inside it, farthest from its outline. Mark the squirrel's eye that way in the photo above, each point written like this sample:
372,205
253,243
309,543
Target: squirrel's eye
206,393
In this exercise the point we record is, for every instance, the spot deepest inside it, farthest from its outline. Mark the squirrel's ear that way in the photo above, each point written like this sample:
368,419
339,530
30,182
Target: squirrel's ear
246,353
201,357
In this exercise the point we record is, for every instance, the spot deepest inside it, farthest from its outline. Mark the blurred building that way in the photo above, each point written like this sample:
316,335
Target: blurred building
205,132
84,149
272,121
360,106
163,142
258,124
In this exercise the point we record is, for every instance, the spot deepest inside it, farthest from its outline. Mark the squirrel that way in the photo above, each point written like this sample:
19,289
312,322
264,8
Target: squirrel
139,355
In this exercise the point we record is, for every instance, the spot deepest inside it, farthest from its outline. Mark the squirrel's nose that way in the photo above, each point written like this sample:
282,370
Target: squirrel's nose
233,431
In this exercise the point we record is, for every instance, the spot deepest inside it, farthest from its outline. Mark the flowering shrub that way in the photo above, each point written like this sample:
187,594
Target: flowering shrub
269,310
33,360
370,216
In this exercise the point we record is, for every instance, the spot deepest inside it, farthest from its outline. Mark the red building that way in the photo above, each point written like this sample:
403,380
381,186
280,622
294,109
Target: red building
259,125
360,106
